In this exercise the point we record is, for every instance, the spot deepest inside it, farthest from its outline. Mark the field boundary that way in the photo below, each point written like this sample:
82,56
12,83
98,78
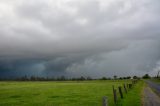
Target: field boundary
118,93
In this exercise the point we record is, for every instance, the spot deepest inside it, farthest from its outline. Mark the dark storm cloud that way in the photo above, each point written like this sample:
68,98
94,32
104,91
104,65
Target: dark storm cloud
73,38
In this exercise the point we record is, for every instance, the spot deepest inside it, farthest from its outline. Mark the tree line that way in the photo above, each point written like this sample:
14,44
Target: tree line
63,78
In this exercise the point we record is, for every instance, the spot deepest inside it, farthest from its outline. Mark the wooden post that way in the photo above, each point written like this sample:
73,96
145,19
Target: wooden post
127,85
120,91
104,101
113,88
130,85
125,89
115,95
133,82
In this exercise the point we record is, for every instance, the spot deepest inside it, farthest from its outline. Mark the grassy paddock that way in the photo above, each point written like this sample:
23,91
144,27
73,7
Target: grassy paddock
67,93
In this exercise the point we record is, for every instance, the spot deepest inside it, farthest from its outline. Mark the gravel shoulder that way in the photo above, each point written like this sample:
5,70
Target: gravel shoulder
154,86
151,98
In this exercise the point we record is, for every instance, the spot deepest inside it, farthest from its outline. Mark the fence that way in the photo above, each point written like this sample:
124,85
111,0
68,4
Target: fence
120,91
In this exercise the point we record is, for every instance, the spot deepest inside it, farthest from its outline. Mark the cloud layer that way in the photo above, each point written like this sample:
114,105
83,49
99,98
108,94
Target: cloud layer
79,37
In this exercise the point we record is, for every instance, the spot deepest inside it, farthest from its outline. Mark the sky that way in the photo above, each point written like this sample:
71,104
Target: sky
76,38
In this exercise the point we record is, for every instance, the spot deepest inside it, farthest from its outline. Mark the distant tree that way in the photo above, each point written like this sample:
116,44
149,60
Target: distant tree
128,77
120,78
103,78
52,78
89,78
73,79
62,78
109,78
82,78
24,78
135,77
124,77
146,76
32,78
115,77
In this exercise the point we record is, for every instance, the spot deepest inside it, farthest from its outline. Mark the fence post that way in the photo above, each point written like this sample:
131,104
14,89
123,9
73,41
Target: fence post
130,85
104,101
124,85
133,82
120,91
115,95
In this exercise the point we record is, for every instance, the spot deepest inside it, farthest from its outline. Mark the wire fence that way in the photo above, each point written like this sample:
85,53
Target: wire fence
120,91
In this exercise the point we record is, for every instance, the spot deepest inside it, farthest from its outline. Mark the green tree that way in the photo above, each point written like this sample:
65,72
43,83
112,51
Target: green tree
146,76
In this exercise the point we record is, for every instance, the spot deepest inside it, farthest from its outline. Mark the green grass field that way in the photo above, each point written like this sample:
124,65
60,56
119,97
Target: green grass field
156,80
68,93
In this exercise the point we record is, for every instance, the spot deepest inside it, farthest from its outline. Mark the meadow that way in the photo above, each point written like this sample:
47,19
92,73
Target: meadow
156,80
65,93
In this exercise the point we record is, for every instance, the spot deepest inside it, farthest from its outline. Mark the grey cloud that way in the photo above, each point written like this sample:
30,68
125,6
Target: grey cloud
74,38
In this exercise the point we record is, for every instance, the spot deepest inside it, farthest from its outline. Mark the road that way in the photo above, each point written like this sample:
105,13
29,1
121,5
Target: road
151,98
154,86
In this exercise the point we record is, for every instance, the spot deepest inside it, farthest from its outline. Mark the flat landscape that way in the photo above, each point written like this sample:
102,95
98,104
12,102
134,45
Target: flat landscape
66,93
79,53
